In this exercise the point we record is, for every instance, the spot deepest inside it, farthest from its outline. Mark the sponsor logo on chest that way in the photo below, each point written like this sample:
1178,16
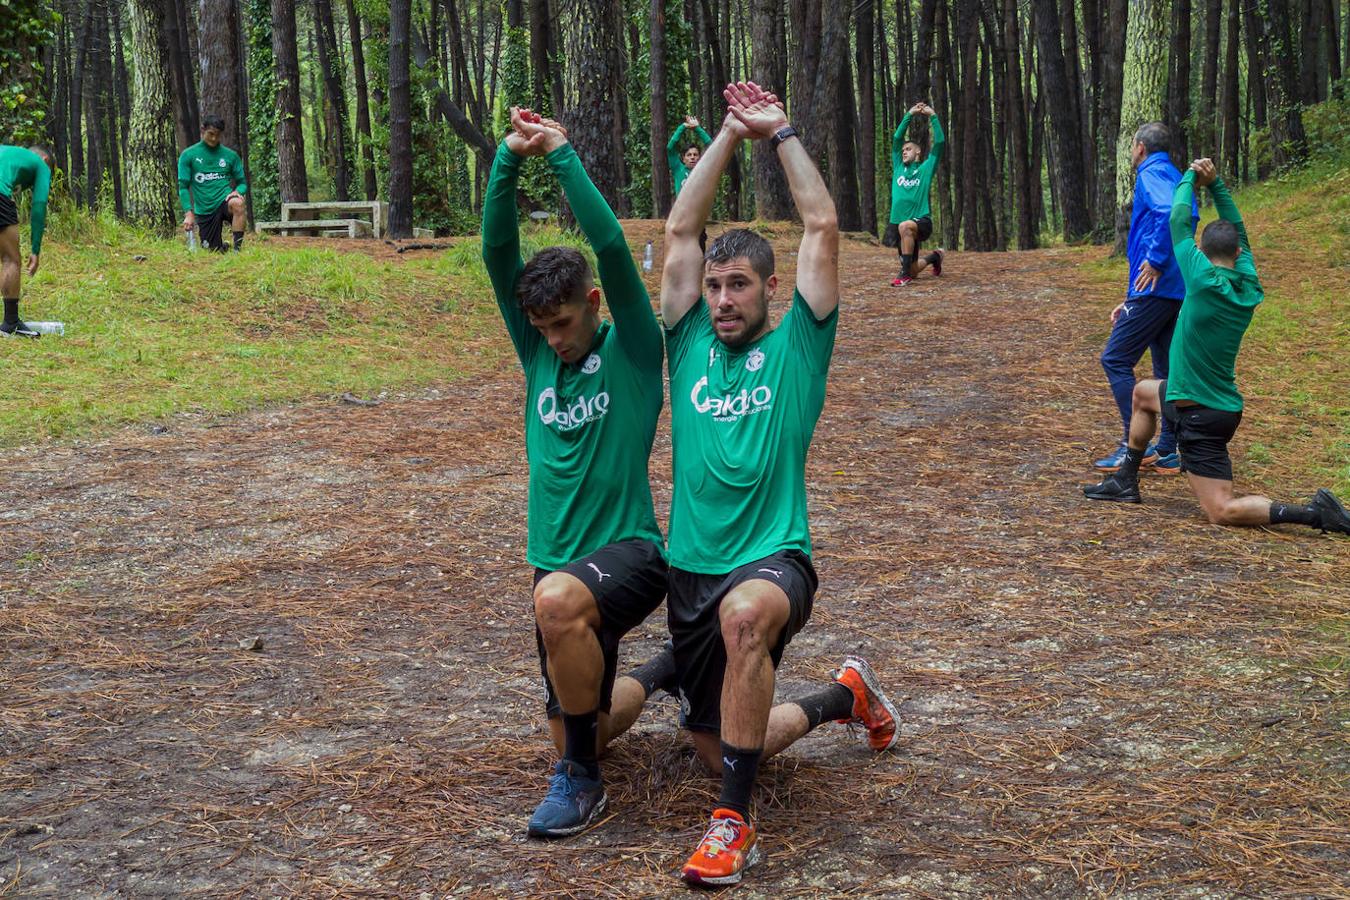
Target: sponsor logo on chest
567,415
732,406
909,182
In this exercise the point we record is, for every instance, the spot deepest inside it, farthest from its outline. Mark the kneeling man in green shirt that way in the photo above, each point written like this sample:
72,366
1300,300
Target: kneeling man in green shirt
1200,397
745,397
593,395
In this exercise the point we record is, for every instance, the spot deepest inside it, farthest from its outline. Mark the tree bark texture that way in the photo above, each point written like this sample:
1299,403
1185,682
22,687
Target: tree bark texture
292,183
772,200
335,98
661,183
1144,87
596,127
1067,138
400,120
151,182
363,133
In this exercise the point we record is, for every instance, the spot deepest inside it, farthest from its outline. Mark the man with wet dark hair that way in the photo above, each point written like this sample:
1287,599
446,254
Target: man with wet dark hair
593,395
911,182
745,399
20,168
211,186
1147,317
1200,397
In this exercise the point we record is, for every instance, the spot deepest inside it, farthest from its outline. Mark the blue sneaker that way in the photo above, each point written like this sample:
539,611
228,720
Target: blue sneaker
1115,460
1168,464
574,801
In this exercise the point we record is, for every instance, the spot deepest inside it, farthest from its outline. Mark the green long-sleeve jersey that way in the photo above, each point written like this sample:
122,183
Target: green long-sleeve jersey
211,173
910,183
678,173
1218,307
22,168
589,426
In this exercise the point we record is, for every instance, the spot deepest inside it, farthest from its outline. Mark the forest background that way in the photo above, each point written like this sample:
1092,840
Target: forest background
402,100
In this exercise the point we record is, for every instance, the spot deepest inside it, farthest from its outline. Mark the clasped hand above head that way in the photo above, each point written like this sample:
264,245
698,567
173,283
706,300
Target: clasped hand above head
532,134
752,112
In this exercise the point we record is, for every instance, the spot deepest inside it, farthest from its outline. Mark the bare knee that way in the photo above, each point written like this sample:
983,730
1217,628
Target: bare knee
1146,396
746,621
236,207
561,605
908,228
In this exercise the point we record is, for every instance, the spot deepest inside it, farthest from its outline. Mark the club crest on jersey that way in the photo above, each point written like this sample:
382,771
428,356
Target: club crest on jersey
222,163
755,361
592,364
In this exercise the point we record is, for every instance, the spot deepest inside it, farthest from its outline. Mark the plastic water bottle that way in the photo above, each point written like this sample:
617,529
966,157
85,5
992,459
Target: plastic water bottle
647,258
48,327
191,239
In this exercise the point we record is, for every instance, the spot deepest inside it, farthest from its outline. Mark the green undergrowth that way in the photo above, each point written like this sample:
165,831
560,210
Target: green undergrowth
1293,360
153,330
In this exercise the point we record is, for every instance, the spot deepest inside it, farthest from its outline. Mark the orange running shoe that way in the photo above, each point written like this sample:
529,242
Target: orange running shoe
871,708
729,847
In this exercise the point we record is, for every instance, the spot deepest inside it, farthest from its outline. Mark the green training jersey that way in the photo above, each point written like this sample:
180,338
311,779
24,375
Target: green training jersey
910,183
211,173
1218,308
22,168
741,423
589,426
678,173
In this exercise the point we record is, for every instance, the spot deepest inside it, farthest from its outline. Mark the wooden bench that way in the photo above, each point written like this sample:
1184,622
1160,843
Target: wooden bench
374,212
351,228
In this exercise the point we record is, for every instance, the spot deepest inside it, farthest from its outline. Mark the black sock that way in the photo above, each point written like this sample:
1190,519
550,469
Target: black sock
580,734
931,258
906,260
1299,515
11,311
238,240
657,673
826,705
739,768
1129,467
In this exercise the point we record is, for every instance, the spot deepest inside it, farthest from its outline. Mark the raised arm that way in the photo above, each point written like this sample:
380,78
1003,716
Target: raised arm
898,141
501,248
939,138
818,256
626,295
682,273
673,147
1227,210
1190,260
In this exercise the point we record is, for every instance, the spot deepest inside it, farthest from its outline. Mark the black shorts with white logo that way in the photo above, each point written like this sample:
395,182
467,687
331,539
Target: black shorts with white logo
692,606
891,238
1202,436
210,225
9,212
628,581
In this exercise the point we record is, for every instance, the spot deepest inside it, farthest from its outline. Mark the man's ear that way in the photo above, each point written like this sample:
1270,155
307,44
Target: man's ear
593,299
770,287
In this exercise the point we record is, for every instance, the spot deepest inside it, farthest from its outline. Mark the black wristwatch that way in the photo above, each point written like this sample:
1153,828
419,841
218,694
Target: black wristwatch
782,134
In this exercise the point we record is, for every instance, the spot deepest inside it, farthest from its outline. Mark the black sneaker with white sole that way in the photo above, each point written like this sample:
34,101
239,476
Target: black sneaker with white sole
17,329
1113,487
1332,513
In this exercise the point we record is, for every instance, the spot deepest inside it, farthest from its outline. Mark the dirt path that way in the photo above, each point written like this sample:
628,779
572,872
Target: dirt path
1095,697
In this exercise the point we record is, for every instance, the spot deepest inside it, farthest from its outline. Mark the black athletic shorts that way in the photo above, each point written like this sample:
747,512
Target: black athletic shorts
628,581
892,236
1202,436
692,607
9,212
211,225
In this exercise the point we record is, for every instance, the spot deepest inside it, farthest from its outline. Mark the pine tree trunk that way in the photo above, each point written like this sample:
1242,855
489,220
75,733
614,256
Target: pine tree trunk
717,106
772,200
93,122
77,88
1209,81
1068,148
400,120
1142,99
661,183
596,127
1108,120
1179,83
1256,85
151,185
867,106
219,42
363,103
335,98
1025,179
1228,163
292,183
1289,144
1310,55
